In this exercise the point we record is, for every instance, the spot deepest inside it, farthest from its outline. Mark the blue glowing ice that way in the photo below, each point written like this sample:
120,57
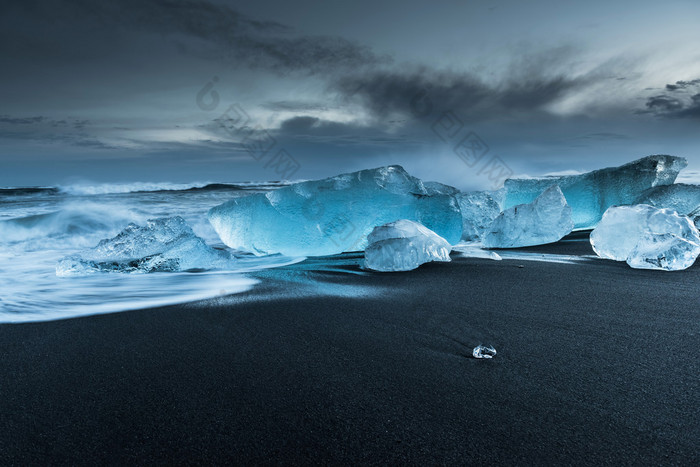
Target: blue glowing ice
590,194
334,215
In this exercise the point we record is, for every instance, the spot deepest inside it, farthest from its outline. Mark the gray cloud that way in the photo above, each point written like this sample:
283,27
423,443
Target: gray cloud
419,91
683,103
682,85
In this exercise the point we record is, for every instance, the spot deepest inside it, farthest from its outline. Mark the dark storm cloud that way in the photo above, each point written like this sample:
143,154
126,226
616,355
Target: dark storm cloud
203,27
420,91
664,104
682,85
684,103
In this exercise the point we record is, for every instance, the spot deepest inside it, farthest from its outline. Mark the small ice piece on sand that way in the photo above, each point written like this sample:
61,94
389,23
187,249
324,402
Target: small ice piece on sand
483,351
404,245
546,220
647,238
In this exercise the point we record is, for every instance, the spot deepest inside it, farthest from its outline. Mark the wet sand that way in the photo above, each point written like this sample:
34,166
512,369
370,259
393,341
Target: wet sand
324,363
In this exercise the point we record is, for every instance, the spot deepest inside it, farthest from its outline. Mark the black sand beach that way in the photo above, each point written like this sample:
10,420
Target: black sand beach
321,363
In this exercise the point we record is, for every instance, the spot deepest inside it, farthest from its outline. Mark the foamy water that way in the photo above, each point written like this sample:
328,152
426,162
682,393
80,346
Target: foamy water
38,227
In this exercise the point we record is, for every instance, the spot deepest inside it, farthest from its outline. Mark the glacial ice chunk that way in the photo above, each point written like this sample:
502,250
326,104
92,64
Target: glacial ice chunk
695,217
647,238
162,245
479,209
546,220
483,351
681,197
330,216
590,194
404,245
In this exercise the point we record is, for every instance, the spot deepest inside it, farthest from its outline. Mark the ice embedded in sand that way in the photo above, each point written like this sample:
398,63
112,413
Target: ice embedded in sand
334,215
681,197
404,245
162,245
647,238
590,194
546,220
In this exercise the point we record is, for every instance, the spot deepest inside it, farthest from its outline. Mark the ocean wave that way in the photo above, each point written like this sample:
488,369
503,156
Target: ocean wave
104,189
78,223
138,187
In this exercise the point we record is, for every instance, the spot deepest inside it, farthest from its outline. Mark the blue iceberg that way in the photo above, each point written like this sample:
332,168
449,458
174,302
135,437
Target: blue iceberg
590,194
334,215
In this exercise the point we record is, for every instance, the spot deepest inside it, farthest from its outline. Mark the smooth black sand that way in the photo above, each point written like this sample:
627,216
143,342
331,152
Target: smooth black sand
597,364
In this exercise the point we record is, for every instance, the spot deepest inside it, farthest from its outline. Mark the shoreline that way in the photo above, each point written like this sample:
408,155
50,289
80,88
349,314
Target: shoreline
325,363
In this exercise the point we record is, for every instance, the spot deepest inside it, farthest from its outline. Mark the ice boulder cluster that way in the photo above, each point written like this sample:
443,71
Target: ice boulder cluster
162,245
402,222
546,220
404,245
647,238
590,194
334,215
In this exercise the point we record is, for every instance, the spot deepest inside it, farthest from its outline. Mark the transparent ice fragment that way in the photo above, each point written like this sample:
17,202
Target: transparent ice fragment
681,197
647,238
479,209
546,220
162,245
404,245
483,351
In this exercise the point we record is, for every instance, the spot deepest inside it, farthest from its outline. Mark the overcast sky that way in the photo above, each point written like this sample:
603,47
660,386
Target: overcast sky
211,90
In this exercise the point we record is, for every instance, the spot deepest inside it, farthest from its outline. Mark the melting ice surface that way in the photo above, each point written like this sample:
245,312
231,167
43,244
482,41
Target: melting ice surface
40,226
681,197
590,194
404,245
334,215
479,209
647,238
546,220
